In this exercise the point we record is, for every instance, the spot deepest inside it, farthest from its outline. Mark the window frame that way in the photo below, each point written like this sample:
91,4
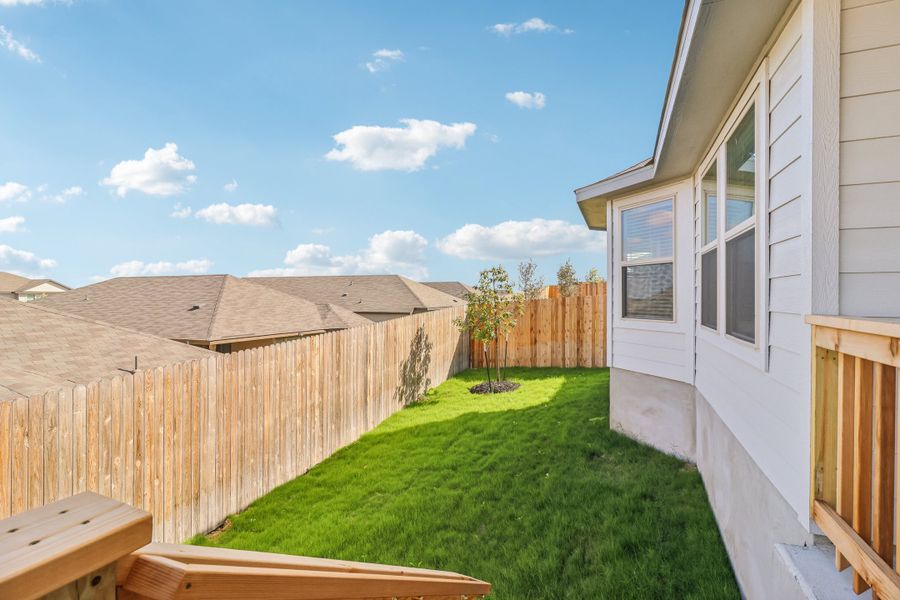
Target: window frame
621,263
755,95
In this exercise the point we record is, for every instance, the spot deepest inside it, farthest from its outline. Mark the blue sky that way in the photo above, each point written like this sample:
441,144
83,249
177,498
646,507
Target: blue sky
415,137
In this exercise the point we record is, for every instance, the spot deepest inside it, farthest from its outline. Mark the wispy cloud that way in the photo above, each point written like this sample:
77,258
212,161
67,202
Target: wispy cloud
535,100
230,186
408,148
12,224
520,239
400,252
16,258
161,172
61,198
12,191
181,212
532,25
13,45
382,59
135,268
258,215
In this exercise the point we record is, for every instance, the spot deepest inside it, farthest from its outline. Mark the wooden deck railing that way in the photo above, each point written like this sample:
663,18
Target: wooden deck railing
854,458
92,547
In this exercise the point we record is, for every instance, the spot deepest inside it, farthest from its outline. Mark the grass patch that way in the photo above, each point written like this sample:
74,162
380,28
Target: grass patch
529,490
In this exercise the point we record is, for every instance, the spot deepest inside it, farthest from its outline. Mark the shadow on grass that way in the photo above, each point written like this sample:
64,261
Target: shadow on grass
529,490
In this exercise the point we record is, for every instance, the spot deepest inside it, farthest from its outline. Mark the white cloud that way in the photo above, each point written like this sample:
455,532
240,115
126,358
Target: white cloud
12,191
23,258
373,148
527,100
520,239
161,172
534,24
259,215
401,252
20,2
61,198
382,59
322,230
13,45
181,212
231,186
12,224
134,268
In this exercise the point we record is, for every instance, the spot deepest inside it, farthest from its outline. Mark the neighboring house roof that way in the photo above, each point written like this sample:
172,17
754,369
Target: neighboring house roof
454,288
10,283
718,45
363,293
197,308
48,349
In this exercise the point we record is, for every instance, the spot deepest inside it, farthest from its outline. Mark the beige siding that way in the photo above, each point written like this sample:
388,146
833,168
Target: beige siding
870,147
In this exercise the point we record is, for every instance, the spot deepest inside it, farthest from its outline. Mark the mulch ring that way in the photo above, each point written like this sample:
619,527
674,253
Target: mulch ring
494,387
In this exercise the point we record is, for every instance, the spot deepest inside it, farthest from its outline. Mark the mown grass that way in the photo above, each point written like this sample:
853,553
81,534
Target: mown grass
528,490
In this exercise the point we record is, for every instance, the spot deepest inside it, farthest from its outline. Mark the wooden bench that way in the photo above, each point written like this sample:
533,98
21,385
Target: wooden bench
92,547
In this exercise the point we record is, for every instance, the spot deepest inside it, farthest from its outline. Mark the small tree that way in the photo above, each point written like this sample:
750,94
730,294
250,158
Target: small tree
491,313
593,276
529,283
566,279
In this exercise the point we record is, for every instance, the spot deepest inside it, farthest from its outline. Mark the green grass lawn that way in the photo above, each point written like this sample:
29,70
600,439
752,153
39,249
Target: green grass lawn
529,490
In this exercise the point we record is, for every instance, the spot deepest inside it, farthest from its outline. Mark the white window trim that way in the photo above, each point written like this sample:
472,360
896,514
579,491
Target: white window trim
618,263
756,94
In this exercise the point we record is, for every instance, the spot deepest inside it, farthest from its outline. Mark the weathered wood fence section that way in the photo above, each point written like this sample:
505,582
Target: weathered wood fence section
193,442
556,332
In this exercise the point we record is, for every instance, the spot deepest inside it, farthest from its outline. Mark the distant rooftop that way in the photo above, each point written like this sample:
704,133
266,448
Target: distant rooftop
454,288
200,308
10,283
47,350
364,293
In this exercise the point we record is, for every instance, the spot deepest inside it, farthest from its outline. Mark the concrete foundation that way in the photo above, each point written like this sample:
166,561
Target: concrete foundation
773,556
658,412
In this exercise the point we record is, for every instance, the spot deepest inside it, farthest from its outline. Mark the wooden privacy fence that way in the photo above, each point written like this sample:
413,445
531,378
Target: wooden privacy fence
583,289
193,442
556,332
854,447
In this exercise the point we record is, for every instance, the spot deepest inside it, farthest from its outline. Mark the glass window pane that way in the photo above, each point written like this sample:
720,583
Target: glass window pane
708,296
647,231
740,156
710,222
647,292
740,286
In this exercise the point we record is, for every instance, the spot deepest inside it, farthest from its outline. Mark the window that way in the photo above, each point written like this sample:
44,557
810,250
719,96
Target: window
740,234
709,267
647,261
709,254
740,155
709,191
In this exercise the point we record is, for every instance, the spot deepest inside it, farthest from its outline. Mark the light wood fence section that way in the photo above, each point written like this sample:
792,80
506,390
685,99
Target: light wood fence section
556,332
854,447
193,442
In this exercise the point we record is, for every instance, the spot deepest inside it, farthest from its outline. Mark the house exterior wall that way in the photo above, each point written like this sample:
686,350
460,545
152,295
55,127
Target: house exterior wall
656,348
870,169
761,393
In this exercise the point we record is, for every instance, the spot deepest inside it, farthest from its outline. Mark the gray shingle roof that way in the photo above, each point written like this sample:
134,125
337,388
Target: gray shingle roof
48,350
454,288
207,308
363,293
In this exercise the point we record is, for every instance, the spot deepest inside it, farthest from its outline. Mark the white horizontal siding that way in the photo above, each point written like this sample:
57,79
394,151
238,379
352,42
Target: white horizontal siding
870,168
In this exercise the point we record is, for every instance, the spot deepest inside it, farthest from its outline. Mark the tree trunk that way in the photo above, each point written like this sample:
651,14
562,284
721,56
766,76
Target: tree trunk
497,356
506,354
487,365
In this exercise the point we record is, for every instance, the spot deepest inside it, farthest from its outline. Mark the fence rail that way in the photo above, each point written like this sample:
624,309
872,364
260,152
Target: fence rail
193,442
854,447
555,332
